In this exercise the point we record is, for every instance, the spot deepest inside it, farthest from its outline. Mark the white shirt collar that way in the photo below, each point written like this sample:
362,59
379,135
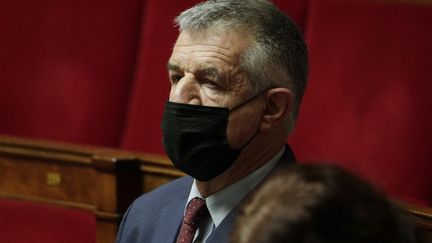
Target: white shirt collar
224,201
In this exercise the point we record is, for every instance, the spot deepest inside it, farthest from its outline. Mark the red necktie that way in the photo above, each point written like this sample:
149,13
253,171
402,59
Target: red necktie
195,211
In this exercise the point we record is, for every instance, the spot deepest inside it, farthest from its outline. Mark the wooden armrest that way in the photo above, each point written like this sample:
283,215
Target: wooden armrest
97,180
423,219
422,215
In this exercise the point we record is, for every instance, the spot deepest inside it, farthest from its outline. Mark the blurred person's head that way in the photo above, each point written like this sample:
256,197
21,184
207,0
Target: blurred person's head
313,203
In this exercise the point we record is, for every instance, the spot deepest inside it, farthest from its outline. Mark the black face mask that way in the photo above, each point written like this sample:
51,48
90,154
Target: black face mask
194,138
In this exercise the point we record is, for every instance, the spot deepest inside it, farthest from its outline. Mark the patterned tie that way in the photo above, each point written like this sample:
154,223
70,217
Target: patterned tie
195,211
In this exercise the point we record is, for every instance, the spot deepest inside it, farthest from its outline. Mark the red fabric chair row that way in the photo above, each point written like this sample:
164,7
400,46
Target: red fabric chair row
66,68
23,222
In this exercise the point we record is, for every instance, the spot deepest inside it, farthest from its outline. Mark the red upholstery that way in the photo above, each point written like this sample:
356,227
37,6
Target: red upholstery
66,68
23,222
151,88
296,9
368,103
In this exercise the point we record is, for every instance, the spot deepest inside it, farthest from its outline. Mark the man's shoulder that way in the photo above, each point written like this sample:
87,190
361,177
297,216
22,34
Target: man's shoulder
171,190
141,219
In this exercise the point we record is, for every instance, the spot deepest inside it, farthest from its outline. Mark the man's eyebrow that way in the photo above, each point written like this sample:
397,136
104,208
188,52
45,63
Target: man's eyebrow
173,67
210,71
204,71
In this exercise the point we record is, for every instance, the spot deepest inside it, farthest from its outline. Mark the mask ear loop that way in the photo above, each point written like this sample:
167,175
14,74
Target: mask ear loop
250,140
248,100
243,103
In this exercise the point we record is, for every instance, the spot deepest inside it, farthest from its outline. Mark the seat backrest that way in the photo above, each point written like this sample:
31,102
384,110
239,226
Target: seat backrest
368,103
24,222
151,85
297,10
66,68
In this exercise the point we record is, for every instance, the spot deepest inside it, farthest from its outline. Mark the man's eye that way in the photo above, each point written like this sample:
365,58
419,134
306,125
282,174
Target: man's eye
212,84
175,78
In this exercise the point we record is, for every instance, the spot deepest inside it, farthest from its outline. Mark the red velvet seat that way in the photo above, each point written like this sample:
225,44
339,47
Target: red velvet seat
368,103
151,85
24,222
66,68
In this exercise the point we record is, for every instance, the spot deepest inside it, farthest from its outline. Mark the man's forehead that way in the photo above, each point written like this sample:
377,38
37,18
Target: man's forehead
228,39
204,68
203,55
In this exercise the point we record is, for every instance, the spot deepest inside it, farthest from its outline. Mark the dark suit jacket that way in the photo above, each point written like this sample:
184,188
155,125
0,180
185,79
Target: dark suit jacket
156,217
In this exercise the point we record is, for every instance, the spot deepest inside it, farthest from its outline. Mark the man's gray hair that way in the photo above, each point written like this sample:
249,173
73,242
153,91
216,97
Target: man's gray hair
277,56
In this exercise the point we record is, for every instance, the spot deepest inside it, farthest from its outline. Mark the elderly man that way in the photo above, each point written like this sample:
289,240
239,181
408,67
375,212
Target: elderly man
238,71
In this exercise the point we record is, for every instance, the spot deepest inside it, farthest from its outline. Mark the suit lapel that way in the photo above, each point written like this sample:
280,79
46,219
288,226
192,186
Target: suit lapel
170,220
288,158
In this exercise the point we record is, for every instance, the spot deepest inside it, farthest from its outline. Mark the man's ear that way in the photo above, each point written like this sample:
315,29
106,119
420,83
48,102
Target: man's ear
279,104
